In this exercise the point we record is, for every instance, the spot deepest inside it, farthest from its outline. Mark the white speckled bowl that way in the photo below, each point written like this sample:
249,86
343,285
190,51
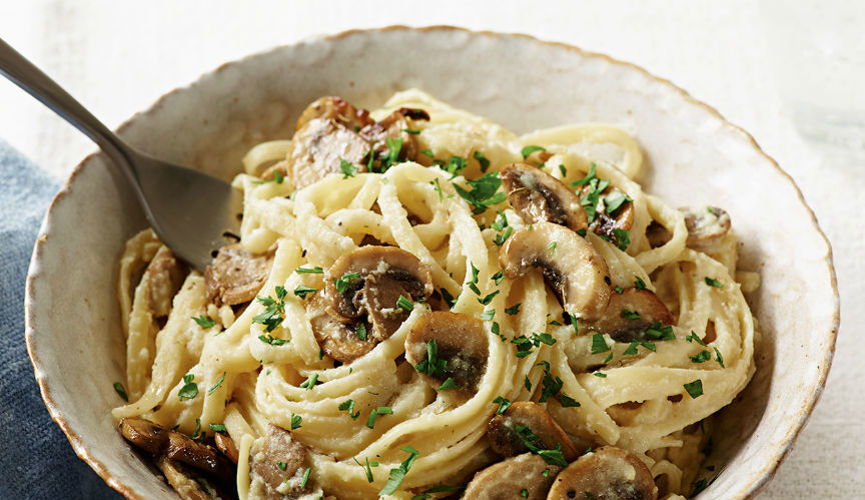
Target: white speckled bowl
73,325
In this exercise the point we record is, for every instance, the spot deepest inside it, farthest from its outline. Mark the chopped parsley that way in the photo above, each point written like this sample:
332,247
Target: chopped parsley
121,391
695,388
218,428
514,309
397,475
197,428
343,282
550,385
295,421
719,359
504,230
429,153
482,161
432,365
314,270
348,405
701,356
528,150
614,200
630,314
713,282
268,339
599,345
204,321
347,168
411,131
622,238
488,315
551,247
438,489
567,401
305,478
448,384
542,338
446,295
588,178
381,410
310,381
282,465
455,165
693,337
657,332
404,303
639,284
618,289
216,385
274,309
367,468
498,277
189,389
524,493
360,331
484,192
488,298
563,170
503,403
600,375
552,457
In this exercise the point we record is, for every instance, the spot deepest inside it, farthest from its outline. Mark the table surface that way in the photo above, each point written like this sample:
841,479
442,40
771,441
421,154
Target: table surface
117,58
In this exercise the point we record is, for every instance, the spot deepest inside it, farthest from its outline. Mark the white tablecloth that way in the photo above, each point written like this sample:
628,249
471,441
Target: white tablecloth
117,58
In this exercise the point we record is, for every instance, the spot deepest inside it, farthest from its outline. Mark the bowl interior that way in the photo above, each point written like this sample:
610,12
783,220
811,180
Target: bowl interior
694,157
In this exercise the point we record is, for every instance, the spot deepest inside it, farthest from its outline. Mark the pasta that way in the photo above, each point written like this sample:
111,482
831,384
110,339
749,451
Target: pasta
379,424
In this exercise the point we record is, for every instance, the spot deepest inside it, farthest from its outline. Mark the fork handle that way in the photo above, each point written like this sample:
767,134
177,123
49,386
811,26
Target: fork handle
26,75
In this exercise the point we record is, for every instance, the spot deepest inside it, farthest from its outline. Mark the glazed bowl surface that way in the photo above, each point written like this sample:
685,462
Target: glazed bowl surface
694,158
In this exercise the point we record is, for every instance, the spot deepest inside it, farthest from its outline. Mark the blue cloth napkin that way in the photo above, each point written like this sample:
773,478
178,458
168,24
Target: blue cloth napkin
37,461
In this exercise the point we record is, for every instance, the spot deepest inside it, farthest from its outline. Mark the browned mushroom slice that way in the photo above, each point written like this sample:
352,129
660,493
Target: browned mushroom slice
444,345
342,342
198,456
346,278
538,196
523,476
571,266
607,221
336,109
526,421
630,313
657,234
236,275
707,226
393,127
164,276
608,473
144,434
226,446
380,297
318,149
277,464
188,484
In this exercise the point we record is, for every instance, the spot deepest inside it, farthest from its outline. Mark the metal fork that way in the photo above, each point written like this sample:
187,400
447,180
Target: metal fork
191,212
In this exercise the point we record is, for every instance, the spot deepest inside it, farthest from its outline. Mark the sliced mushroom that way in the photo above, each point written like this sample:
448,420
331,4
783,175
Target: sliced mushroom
236,275
392,126
523,476
331,130
460,341
164,276
630,313
575,271
188,484
198,456
525,421
277,464
608,473
226,446
386,267
605,223
181,459
144,434
538,196
707,226
336,109
657,234
339,340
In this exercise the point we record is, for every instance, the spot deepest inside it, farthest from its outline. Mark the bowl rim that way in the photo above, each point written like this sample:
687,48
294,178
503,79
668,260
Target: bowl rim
750,491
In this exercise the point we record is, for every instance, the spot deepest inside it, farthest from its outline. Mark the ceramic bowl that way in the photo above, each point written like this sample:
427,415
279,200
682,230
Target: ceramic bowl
695,157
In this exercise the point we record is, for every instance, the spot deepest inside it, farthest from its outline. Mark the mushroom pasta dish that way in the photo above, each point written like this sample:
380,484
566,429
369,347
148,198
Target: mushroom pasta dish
422,304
